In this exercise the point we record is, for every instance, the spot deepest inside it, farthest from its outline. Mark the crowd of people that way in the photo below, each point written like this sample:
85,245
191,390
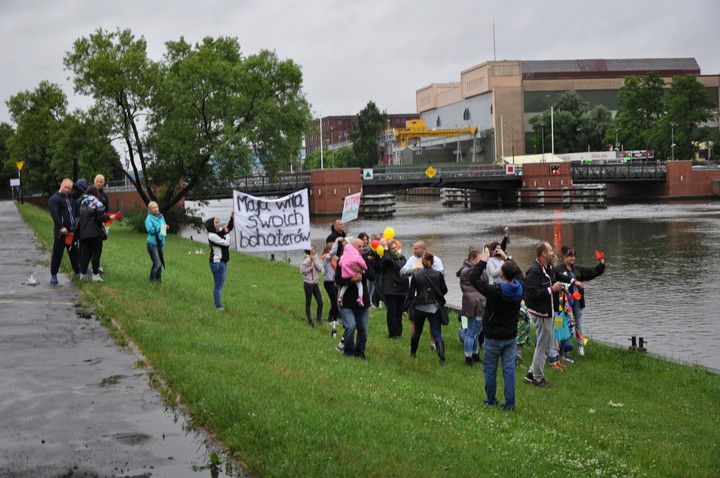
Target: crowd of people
79,212
500,303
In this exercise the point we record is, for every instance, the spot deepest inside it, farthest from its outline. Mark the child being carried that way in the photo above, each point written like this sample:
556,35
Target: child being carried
351,257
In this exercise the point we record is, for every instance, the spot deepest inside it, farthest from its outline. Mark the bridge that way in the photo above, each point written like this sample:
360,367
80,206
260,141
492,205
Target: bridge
491,177
627,180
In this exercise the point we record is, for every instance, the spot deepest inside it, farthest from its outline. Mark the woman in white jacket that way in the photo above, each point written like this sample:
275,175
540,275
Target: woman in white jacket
219,255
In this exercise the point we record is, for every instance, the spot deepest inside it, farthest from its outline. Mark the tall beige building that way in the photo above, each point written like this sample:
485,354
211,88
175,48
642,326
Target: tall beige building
499,97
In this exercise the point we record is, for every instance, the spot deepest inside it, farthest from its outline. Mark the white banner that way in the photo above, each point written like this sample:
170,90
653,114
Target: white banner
351,207
272,224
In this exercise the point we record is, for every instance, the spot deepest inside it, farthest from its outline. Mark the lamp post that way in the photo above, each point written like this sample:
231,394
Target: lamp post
502,137
672,139
332,144
542,133
552,132
321,144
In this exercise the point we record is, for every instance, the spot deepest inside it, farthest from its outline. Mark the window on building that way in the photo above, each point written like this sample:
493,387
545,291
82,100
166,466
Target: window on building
438,123
466,114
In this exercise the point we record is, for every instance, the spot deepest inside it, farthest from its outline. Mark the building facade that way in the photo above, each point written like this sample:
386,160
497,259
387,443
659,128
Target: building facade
499,97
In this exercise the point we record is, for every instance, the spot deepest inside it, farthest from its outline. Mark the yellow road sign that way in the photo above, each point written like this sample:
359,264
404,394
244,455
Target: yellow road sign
19,164
430,172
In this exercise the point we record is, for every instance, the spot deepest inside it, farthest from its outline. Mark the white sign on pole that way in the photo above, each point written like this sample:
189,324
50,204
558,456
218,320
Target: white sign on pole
272,224
15,182
367,173
351,207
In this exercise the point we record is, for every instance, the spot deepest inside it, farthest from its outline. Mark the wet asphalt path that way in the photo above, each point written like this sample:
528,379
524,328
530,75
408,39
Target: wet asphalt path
71,403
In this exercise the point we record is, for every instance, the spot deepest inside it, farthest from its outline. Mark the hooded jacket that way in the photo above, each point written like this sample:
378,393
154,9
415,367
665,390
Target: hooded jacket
91,215
503,304
582,274
473,302
219,244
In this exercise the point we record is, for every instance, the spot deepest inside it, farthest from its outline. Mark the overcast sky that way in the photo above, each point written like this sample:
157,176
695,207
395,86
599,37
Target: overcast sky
352,52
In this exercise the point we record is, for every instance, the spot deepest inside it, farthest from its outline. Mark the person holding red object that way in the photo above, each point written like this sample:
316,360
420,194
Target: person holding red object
569,270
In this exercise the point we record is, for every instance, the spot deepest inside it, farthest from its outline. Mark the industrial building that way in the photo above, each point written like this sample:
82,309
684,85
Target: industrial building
499,97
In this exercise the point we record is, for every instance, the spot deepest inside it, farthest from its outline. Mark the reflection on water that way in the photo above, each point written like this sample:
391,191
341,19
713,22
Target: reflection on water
663,262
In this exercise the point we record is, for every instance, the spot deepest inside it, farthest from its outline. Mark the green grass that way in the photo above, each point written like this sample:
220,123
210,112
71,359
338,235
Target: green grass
285,403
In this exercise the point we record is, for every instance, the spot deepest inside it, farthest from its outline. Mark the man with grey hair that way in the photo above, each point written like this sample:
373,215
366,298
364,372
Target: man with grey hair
99,183
542,285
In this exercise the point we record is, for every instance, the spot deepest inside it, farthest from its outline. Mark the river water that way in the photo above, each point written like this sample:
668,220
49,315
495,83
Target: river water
662,262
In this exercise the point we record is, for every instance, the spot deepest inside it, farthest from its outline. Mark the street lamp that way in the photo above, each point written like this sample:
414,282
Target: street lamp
332,144
672,139
542,132
502,137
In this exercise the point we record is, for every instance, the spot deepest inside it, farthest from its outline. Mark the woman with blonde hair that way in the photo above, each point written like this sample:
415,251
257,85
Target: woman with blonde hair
156,231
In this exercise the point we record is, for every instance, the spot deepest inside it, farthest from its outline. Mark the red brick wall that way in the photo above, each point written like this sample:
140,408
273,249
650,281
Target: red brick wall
328,188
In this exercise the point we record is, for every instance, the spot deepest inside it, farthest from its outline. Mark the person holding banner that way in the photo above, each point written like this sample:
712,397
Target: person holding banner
219,255
355,317
310,269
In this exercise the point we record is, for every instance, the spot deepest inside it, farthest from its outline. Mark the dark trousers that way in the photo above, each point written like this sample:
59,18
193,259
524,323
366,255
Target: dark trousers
394,304
59,247
310,291
90,250
331,290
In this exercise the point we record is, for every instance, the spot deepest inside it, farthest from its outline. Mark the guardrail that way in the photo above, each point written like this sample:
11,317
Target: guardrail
613,173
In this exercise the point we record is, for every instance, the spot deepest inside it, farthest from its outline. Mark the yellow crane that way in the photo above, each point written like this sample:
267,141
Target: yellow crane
416,129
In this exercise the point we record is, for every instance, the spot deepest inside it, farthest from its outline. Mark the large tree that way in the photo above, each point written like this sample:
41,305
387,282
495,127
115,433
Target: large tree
38,115
687,106
641,107
370,123
577,127
201,115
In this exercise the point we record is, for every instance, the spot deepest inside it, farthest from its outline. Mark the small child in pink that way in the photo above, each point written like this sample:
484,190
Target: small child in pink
351,257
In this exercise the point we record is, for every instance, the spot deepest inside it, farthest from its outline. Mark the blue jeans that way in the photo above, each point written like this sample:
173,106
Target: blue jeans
494,350
471,336
418,318
156,270
352,320
219,271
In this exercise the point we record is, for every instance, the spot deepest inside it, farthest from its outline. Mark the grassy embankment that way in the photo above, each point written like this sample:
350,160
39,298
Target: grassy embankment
286,403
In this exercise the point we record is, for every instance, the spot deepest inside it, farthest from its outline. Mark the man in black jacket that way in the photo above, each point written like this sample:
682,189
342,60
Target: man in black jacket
99,182
499,325
63,217
337,230
542,285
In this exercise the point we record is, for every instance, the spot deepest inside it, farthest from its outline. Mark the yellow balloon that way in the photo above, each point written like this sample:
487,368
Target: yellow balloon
380,250
389,233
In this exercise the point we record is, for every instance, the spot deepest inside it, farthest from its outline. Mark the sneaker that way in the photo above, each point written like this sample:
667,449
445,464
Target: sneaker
360,302
340,347
556,366
581,350
541,383
97,278
100,271
569,360
53,280
529,377
432,347
220,309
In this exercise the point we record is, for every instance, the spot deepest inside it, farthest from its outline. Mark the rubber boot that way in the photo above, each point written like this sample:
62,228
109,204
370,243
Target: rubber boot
476,358
441,351
469,362
414,346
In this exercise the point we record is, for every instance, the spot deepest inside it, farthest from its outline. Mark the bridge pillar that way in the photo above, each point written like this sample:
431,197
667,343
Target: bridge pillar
328,188
536,176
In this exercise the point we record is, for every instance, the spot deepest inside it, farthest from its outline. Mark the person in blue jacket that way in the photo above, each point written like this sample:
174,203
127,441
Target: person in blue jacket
157,230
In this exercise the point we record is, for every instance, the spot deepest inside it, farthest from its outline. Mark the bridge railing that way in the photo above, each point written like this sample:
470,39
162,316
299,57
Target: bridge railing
445,171
625,172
